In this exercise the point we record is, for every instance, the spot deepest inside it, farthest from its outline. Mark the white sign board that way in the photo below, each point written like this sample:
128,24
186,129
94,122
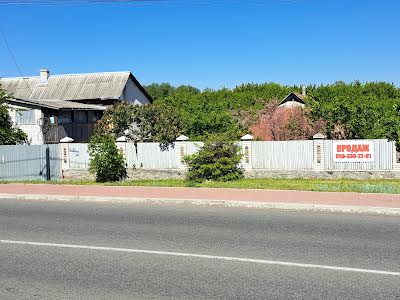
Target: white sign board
353,151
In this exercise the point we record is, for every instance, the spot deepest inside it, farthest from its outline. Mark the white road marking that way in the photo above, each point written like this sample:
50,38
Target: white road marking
226,258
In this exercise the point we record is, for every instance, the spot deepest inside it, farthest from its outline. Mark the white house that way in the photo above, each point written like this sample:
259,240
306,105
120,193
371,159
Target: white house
51,107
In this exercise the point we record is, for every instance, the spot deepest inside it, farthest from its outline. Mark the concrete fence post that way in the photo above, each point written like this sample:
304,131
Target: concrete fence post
246,141
65,154
319,152
121,145
396,159
181,144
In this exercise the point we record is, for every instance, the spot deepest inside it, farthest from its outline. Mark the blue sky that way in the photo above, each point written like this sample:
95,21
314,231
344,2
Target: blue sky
209,45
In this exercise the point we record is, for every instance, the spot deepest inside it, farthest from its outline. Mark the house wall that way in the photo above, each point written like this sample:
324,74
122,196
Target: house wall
34,130
291,104
133,94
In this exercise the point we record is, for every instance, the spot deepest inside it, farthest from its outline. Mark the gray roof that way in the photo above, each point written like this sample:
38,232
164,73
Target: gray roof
109,85
57,104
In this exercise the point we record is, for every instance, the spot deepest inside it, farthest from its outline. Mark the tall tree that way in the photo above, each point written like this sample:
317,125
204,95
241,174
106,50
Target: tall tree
9,135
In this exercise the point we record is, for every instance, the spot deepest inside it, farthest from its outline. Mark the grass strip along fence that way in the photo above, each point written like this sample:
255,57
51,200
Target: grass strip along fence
387,186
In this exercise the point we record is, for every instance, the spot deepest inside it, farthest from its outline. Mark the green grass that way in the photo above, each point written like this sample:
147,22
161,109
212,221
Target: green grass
388,186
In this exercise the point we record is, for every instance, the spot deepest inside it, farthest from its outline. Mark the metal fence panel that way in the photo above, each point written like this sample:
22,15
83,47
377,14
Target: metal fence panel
383,151
150,156
78,156
193,147
131,155
282,155
25,162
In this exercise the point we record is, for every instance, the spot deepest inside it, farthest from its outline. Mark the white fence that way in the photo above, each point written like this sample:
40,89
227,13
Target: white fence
382,160
33,162
150,156
271,155
78,156
282,155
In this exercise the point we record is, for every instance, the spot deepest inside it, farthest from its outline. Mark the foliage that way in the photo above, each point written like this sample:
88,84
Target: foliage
106,161
210,112
274,123
346,110
151,123
9,135
356,110
216,160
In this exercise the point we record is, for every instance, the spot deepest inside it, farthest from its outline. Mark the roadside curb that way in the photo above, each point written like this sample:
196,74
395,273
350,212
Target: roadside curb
212,203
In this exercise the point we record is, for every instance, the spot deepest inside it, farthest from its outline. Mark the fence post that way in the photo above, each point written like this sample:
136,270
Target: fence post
246,151
65,158
182,151
121,145
319,152
396,159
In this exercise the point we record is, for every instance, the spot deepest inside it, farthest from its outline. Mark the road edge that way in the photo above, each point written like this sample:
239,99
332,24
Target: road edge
349,209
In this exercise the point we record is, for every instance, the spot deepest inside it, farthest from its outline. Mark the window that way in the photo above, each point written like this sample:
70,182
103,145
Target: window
65,117
23,117
93,116
80,117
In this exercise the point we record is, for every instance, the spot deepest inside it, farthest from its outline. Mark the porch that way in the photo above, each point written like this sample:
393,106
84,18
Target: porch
80,132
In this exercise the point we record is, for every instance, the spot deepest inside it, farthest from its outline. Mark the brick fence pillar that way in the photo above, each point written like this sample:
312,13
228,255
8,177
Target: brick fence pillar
121,144
319,152
396,159
246,152
182,151
64,152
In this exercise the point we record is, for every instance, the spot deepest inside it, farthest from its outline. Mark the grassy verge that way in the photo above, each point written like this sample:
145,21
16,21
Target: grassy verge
389,186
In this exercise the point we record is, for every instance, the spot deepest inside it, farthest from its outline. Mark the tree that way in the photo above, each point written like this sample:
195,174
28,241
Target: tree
9,135
157,91
349,110
150,123
276,123
216,160
106,161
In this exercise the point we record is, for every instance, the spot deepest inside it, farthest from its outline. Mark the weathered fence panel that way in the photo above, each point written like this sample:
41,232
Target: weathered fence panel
282,155
24,162
78,156
383,157
150,156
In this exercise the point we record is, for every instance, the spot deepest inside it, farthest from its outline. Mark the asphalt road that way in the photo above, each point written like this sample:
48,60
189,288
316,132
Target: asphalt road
60,268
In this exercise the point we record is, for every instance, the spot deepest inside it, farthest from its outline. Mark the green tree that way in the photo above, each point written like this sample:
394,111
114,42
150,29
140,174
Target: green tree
150,123
350,110
106,161
216,160
9,135
157,91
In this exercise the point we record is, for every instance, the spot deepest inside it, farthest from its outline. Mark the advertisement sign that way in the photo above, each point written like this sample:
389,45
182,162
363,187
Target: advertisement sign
353,151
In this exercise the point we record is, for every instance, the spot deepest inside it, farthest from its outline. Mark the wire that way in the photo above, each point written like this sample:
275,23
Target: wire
139,2
13,57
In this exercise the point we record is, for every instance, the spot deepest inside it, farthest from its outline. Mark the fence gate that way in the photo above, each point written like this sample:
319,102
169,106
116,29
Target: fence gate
25,162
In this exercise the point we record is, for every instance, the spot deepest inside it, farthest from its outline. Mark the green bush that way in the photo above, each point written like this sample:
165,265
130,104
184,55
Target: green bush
106,161
216,160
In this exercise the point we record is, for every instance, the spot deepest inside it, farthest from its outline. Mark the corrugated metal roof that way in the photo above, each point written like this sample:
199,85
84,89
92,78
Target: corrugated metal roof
108,85
58,104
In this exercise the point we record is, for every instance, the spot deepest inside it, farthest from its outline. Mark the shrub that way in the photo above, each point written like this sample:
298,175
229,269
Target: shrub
106,161
216,160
